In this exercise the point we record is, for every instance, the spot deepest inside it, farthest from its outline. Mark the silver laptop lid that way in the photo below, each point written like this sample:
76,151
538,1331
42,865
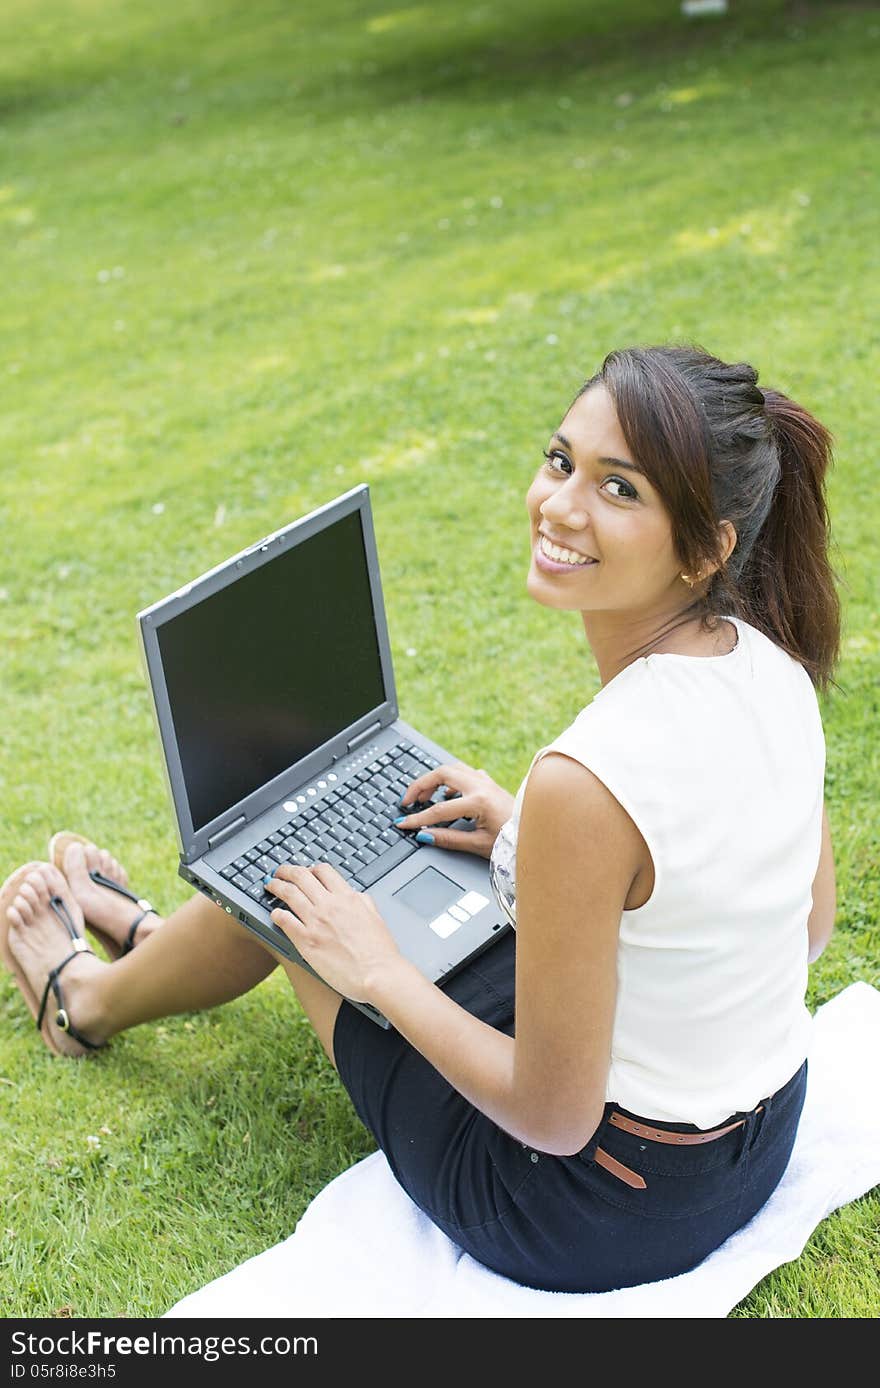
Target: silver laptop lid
269,668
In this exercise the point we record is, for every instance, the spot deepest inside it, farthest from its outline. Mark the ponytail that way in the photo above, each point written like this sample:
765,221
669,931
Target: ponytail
786,586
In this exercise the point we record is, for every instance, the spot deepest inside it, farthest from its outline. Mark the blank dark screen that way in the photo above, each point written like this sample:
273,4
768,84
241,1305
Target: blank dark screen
271,667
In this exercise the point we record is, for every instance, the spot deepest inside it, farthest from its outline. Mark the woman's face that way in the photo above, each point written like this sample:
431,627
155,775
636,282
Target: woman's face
590,498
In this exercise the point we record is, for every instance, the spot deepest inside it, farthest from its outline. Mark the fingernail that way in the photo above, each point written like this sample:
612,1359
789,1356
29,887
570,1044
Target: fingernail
424,837
401,819
268,878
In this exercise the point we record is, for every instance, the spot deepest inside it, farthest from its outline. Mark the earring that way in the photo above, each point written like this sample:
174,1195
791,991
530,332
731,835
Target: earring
688,581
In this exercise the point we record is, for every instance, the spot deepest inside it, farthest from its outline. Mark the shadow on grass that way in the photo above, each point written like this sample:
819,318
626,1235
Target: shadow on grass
392,58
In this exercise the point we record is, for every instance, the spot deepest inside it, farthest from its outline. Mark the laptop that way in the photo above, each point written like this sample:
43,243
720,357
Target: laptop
274,697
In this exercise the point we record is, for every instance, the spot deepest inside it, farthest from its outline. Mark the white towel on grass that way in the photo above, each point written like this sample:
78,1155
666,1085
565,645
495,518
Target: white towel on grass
363,1249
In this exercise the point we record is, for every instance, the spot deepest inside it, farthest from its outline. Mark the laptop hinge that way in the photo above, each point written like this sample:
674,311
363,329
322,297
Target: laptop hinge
362,737
227,832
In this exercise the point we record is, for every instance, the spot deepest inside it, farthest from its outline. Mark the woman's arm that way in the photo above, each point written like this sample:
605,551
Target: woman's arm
578,853
821,921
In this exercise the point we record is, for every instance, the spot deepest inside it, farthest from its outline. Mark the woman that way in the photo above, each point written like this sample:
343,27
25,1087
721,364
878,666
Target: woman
666,861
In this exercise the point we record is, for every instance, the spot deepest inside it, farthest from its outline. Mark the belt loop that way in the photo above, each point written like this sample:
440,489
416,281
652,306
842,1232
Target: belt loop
757,1118
745,1142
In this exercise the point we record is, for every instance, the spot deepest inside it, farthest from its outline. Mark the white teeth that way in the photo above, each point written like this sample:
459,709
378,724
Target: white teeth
562,556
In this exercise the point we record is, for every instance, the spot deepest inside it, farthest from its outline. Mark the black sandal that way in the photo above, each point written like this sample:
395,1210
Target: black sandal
62,1019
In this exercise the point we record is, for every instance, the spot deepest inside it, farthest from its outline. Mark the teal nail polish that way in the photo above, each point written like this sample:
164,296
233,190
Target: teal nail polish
267,879
401,819
424,837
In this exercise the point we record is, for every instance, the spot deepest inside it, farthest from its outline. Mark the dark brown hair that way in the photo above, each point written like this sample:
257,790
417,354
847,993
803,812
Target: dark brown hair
716,447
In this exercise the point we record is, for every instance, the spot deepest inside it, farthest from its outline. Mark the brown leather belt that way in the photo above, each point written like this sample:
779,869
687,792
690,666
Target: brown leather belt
632,1178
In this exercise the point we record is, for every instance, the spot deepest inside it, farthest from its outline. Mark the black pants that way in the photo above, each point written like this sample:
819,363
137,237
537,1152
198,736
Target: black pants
556,1223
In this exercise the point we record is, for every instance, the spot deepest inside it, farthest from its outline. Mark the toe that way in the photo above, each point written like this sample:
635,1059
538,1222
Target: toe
16,917
36,886
76,867
20,910
56,882
28,897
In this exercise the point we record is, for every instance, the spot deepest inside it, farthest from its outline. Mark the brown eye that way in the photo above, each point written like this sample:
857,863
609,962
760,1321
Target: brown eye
554,459
629,495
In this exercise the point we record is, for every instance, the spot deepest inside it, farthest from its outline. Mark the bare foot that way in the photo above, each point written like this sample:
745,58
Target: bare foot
108,911
38,942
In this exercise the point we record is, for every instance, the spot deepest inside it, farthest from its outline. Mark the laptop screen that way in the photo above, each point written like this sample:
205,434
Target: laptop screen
268,669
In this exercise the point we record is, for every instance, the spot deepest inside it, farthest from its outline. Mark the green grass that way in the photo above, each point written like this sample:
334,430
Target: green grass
256,254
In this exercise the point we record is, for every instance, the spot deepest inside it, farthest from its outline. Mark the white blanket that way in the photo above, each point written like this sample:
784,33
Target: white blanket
363,1249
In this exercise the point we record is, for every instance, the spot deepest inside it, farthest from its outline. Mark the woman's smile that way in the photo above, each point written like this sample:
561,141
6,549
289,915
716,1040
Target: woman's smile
551,558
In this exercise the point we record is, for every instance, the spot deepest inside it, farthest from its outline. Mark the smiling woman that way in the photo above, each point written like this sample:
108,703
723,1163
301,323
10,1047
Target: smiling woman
613,1088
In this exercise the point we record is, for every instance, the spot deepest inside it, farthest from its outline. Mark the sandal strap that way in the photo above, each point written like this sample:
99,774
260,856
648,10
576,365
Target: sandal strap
80,946
102,881
146,908
128,946
58,905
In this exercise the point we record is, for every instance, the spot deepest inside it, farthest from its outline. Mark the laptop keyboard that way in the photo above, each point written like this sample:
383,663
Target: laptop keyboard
350,827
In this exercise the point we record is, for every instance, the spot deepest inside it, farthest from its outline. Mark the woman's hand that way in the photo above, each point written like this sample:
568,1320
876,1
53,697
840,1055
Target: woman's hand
476,797
337,930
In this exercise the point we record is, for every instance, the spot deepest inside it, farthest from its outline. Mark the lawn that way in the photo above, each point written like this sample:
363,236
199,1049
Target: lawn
256,254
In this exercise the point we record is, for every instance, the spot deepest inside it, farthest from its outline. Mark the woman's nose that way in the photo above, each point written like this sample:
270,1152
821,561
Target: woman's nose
563,513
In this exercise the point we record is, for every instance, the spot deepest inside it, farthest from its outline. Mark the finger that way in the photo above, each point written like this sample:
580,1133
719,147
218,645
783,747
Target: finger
441,813
459,840
292,883
292,926
424,786
326,873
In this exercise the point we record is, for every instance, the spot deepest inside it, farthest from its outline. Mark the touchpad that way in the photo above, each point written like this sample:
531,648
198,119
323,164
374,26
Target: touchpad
429,893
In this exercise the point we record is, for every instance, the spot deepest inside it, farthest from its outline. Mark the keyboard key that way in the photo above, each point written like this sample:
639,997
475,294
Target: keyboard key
229,872
276,837
314,852
385,862
366,854
241,881
266,863
299,859
279,853
328,843
253,874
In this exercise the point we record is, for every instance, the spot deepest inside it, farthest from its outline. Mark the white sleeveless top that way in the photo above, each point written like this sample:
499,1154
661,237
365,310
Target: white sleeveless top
720,762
